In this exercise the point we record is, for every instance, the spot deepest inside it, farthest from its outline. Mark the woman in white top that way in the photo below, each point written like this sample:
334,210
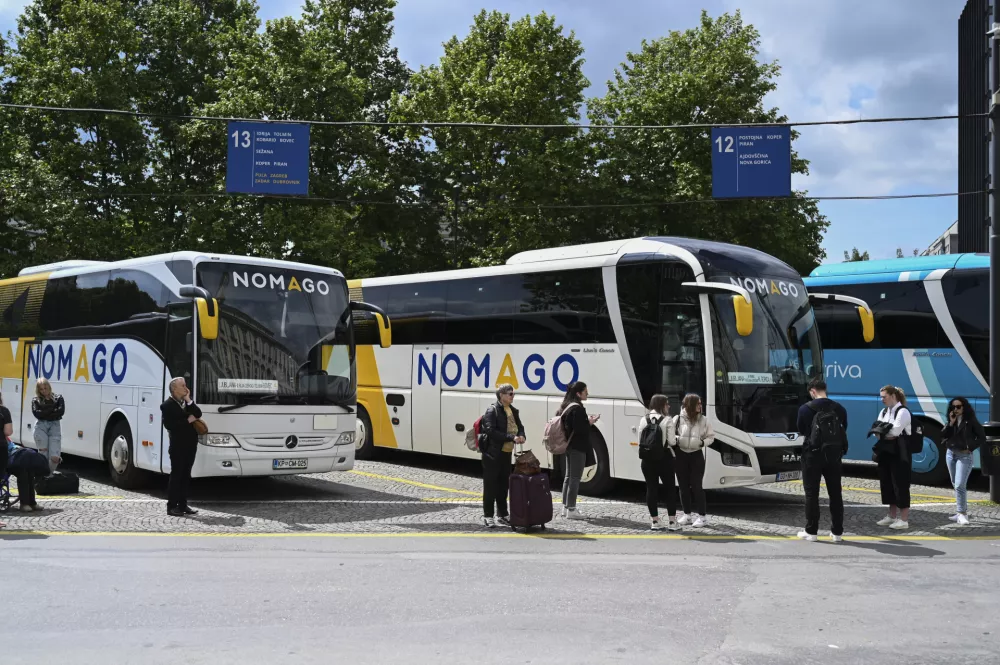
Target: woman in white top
692,432
658,464
894,460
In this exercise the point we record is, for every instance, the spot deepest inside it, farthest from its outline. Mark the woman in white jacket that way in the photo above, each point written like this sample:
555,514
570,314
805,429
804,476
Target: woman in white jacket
692,433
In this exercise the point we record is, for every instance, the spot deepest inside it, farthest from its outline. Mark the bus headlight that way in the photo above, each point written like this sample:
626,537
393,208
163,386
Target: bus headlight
346,438
730,455
218,440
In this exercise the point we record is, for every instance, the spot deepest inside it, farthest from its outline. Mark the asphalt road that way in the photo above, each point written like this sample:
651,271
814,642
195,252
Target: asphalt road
466,598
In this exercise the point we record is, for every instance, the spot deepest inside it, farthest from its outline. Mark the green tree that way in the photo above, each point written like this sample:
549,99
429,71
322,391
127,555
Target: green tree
486,184
855,255
709,74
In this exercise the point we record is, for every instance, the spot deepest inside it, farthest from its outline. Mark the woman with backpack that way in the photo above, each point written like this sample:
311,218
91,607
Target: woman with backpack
893,458
692,432
656,452
576,424
501,429
962,436
48,409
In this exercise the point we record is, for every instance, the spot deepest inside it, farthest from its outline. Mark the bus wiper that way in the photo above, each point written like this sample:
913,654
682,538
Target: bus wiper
239,405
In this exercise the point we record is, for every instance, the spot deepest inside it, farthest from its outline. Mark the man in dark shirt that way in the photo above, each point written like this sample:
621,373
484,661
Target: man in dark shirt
178,413
822,453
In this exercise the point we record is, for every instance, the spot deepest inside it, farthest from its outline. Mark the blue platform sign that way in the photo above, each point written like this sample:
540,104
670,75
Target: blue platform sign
751,162
267,158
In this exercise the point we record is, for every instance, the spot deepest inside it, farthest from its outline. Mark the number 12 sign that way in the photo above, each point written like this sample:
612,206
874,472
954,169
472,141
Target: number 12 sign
267,158
751,162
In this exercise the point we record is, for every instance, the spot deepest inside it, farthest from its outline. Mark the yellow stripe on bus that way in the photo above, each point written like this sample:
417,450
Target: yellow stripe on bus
370,394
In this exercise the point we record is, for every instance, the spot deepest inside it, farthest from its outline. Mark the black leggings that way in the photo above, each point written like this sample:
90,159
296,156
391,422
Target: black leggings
654,471
496,480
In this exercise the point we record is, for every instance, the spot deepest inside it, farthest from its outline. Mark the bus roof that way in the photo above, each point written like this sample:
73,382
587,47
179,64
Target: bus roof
73,267
908,264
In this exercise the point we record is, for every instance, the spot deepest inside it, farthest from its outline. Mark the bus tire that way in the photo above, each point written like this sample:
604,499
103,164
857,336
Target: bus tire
364,446
119,451
930,467
601,482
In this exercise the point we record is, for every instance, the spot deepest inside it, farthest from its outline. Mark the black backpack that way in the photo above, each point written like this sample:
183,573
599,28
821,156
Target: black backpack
827,437
651,440
914,441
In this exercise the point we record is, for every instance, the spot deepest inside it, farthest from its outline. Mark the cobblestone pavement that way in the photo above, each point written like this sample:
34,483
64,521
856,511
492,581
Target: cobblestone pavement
412,494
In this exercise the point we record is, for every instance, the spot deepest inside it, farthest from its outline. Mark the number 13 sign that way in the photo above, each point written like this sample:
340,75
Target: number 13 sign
267,158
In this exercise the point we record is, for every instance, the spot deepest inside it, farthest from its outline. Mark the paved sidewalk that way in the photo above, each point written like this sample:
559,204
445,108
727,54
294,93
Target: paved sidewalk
393,498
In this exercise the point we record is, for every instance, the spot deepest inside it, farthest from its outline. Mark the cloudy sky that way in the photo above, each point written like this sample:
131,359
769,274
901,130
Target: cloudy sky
840,59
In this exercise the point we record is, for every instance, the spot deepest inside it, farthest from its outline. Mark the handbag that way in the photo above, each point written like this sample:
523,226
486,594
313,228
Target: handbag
200,427
526,463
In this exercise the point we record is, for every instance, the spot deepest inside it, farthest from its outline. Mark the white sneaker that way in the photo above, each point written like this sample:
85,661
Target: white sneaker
684,519
953,518
672,525
962,520
899,525
489,523
656,525
836,539
25,508
563,511
886,521
700,521
812,538
574,514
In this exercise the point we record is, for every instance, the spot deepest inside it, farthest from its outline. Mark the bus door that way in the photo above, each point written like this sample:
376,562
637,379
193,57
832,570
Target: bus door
20,406
425,400
180,346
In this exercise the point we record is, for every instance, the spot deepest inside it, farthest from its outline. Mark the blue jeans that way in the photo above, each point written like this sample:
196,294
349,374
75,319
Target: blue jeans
48,441
959,468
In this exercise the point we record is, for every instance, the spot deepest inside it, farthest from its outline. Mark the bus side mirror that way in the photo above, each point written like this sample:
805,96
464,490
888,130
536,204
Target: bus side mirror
867,324
384,331
208,310
381,320
208,318
743,309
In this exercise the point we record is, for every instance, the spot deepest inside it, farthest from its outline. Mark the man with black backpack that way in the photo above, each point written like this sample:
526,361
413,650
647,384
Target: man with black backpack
824,424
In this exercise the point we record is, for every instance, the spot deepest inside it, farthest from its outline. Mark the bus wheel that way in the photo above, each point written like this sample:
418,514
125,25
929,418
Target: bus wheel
597,481
120,453
364,438
929,465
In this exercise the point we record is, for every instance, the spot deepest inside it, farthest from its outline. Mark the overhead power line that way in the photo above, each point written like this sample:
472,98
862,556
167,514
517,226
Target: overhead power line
540,206
486,125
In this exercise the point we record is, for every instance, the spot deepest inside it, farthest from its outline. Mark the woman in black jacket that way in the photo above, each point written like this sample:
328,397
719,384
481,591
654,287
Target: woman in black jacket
500,430
961,436
576,423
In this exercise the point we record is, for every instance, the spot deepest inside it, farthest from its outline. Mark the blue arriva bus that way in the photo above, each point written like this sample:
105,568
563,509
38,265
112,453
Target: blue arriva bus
931,339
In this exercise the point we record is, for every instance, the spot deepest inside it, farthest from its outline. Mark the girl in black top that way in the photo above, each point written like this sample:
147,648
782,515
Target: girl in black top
962,436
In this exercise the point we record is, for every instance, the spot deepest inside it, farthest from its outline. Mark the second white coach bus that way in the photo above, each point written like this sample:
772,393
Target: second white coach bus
266,347
631,318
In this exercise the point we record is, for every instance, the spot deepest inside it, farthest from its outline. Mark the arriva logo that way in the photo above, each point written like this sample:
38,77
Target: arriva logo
261,281
760,285
836,370
565,371
56,361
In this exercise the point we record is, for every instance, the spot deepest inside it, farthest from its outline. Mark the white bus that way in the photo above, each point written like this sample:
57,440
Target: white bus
631,318
266,347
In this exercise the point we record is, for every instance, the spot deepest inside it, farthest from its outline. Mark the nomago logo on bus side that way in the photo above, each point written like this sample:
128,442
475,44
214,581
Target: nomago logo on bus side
761,285
532,371
261,281
56,361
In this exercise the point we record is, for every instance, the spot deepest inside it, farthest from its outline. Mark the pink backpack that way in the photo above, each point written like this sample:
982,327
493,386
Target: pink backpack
554,438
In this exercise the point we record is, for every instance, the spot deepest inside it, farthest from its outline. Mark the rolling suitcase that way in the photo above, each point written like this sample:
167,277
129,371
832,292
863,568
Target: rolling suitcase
58,483
530,501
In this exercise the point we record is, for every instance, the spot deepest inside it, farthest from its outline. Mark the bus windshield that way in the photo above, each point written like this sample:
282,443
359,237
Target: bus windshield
285,336
762,378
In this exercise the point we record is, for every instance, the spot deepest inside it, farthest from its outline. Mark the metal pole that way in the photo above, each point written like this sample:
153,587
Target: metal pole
994,209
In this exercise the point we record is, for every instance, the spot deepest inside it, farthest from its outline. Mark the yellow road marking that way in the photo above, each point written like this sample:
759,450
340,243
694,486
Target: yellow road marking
543,535
414,483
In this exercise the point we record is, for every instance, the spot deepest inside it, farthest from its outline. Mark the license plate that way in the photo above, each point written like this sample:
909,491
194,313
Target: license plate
789,475
298,463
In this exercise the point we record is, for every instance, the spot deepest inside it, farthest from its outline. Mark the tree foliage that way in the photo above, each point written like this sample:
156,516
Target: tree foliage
855,255
382,200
